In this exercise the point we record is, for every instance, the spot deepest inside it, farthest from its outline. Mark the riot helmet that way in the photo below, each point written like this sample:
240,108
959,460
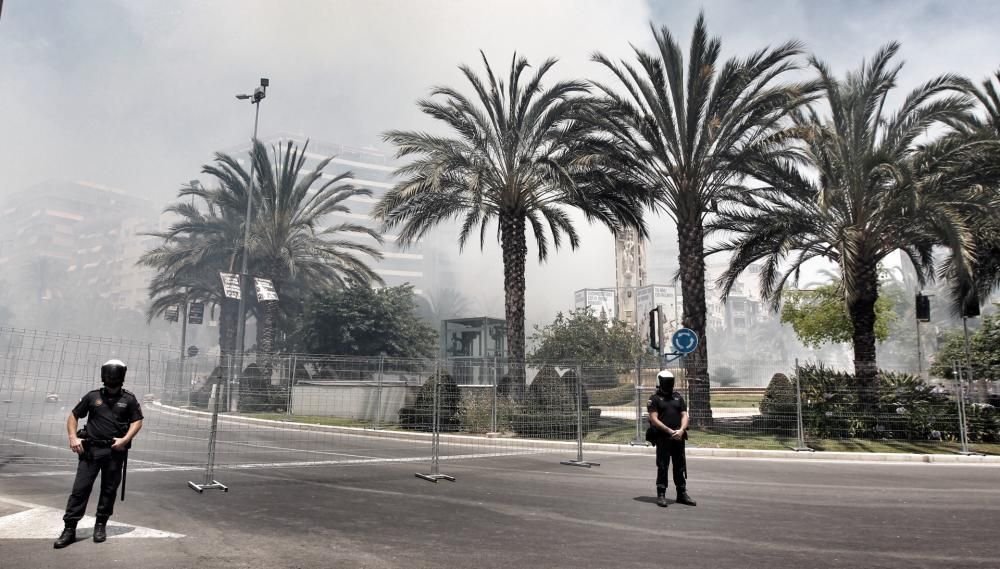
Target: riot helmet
113,373
665,382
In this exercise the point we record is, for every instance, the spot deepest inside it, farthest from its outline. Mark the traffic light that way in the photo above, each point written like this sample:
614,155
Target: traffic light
657,323
923,306
654,335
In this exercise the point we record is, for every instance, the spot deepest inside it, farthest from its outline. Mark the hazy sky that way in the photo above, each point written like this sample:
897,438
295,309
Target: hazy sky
137,94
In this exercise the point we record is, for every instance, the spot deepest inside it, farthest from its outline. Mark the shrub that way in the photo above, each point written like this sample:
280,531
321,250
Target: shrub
906,409
778,408
476,412
549,406
421,415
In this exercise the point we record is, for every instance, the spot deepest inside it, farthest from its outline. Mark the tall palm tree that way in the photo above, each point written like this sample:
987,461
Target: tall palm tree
290,242
861,187
511,157
982,128
203,241
687,140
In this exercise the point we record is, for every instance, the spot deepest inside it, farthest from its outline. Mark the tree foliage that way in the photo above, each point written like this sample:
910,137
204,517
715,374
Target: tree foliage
362,321
584,338
984,351
819,316
862,182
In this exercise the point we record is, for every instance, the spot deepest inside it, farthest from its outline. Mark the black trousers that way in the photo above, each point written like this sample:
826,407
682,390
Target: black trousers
667,450
94,461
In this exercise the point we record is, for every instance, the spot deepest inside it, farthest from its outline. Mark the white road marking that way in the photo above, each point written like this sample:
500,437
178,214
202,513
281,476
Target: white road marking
43,522
32,443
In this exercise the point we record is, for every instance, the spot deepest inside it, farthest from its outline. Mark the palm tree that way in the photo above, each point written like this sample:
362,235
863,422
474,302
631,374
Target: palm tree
687,141
982,129
204,241
511,158
859,188
289,243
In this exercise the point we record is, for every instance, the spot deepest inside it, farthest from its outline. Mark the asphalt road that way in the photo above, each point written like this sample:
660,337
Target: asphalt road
307,499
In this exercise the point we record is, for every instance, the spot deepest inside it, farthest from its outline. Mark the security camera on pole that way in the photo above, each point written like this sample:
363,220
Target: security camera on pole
258,95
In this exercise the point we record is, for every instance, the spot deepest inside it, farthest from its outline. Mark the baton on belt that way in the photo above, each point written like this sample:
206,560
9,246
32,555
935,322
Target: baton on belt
124,473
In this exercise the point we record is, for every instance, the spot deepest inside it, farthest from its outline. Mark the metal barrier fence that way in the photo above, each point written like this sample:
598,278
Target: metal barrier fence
294,410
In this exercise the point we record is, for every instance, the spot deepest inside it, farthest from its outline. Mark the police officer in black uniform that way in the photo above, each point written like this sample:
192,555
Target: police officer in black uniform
668,416
113,419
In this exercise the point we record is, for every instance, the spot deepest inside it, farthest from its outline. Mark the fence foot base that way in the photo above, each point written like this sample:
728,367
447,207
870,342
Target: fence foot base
582,463
637,443
213,485
970,453
803,449
435,477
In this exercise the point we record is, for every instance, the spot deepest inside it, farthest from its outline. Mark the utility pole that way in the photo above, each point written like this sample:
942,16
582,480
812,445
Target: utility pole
258,95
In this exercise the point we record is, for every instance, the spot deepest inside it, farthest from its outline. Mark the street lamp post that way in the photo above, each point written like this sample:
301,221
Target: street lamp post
258,95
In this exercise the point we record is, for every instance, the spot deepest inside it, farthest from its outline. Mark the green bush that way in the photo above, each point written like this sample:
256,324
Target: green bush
549,406
476,412
906,409
421,415
777,408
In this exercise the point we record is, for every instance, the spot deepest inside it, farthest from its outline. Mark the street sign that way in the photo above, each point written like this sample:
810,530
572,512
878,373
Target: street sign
171,313
684,341
230,285
196,313
265,289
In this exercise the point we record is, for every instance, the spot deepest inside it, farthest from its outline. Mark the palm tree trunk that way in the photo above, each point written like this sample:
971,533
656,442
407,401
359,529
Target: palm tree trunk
862,310
690,233
227,327
515,251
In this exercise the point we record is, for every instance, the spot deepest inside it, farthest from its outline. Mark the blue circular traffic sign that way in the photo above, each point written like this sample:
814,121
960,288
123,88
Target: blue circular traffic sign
684,341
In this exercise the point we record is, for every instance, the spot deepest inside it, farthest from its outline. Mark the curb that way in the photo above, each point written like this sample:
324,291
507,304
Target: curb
692,451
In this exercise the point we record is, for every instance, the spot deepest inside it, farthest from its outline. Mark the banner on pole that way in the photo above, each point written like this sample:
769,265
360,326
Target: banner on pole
196,313
172,313
265,289
230,285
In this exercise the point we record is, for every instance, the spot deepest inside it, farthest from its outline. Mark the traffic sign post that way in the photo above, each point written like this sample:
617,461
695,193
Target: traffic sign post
684,341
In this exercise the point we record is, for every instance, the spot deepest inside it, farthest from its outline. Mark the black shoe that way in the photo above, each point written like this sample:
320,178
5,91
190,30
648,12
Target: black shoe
100,533
683,498
67,537
661,501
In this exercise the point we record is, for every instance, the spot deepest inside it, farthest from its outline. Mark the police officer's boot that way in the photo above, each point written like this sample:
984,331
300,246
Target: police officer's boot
661,497
683,498
100,532
67,537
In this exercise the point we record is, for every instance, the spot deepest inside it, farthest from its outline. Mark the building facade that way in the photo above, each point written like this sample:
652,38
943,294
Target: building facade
65,239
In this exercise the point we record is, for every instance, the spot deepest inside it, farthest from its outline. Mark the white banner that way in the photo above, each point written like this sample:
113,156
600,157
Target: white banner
265,290
230,285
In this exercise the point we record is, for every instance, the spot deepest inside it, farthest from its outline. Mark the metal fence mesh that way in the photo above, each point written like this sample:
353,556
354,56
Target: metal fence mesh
293,410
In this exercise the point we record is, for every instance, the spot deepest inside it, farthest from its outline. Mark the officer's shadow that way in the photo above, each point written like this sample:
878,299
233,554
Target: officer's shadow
651,499
87,533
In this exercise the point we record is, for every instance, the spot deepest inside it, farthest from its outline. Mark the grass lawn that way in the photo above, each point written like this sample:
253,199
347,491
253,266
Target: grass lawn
724,400
621,431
